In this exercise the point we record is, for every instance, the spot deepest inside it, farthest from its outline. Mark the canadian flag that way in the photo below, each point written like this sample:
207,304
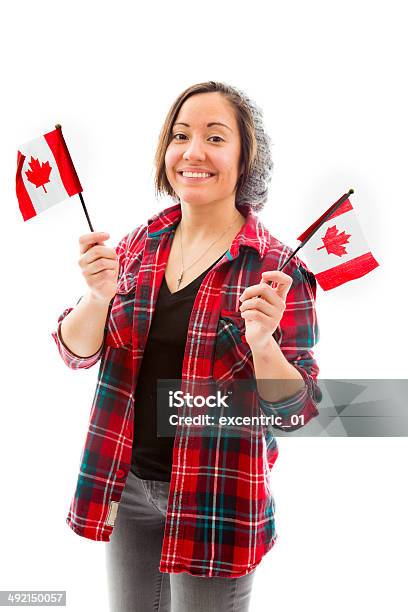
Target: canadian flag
45,174
337,251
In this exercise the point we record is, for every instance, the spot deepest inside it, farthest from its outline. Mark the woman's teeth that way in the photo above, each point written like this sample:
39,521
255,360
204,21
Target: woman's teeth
196,174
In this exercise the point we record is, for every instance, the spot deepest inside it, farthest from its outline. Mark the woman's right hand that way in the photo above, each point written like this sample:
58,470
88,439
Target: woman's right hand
99,265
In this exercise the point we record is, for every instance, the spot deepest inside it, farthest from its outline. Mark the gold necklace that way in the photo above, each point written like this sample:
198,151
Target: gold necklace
202,255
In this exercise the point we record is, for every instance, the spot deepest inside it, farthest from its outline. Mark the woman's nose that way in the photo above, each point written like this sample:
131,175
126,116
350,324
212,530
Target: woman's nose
194,150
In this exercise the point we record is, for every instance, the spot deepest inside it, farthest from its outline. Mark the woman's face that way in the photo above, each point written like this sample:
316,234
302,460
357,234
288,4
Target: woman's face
197,146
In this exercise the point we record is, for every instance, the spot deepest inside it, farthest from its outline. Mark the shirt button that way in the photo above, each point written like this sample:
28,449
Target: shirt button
120,473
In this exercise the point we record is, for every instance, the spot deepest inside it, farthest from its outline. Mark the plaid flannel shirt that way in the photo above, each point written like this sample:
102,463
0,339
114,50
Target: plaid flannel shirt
221,512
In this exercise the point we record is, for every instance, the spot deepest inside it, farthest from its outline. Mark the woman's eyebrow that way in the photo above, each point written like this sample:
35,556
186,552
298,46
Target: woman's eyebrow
208,124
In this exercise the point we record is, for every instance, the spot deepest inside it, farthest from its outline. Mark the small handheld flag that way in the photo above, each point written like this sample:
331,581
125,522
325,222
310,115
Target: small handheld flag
46,175
335,246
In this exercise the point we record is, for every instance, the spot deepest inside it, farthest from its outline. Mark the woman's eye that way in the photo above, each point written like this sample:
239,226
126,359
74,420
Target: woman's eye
179,134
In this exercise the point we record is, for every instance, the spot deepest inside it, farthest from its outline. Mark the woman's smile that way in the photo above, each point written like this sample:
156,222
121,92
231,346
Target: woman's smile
193,179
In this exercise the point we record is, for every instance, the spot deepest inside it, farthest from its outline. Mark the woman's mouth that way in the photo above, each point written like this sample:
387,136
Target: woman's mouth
195,177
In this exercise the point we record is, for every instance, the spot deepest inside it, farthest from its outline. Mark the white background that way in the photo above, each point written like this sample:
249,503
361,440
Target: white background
331,79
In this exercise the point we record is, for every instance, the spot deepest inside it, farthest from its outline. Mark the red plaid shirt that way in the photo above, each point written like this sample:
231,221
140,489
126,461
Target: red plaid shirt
221,513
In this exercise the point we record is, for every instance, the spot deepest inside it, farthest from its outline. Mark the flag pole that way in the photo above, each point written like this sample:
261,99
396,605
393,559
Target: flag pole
85,211
58,127
323,220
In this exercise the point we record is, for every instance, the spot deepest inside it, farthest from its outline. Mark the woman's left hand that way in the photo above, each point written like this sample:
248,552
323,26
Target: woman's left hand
263,314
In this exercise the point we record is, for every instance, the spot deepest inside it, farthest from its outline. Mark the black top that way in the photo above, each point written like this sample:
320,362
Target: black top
152,457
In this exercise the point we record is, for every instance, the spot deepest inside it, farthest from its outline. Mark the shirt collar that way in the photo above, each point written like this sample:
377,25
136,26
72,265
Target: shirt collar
252,234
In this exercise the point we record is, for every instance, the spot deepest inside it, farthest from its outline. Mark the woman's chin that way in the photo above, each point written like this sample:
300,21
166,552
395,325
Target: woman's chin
195,199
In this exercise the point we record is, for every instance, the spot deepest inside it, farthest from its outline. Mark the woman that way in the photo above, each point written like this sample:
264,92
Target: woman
186,296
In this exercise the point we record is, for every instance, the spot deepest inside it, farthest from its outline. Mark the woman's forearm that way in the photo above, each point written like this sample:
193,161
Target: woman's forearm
277,379
82,330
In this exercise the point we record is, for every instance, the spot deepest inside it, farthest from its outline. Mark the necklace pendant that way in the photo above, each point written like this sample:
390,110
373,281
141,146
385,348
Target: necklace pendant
179,280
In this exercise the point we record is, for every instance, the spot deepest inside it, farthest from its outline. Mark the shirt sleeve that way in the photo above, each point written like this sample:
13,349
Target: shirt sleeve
297,334
70,359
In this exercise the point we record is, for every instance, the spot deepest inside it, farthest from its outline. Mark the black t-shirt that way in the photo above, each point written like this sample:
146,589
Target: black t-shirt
152,457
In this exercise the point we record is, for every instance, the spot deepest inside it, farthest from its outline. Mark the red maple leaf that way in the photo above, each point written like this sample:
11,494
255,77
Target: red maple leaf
39,174
334,240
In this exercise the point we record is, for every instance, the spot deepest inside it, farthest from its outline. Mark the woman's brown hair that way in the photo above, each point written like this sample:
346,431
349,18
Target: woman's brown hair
246,126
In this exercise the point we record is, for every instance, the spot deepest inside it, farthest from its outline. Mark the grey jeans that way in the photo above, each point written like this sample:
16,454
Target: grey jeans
135,583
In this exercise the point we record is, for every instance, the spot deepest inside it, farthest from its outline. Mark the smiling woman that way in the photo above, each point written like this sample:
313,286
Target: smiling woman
182,508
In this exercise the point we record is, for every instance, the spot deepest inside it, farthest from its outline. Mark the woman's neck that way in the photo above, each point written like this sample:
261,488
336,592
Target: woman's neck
205,222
